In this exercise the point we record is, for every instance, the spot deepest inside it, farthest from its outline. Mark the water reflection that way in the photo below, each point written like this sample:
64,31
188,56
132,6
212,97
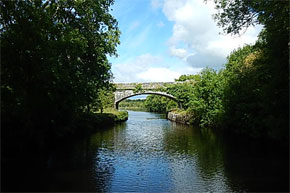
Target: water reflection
197,155
151,154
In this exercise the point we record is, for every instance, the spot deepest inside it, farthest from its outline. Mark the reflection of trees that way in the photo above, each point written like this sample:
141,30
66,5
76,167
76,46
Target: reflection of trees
69,167
245,165
201,143
81,166
256,167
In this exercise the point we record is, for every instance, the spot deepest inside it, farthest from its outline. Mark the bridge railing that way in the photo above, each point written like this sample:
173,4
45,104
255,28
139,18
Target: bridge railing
145,86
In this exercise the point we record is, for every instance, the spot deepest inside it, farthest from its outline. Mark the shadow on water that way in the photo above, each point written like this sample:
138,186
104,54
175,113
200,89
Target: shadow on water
151,154
256,166
69,167
236,164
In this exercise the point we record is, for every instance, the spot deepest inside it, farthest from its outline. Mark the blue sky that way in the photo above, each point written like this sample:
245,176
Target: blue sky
163,39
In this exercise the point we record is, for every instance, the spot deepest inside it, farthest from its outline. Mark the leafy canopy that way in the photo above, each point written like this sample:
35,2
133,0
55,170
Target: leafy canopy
54,57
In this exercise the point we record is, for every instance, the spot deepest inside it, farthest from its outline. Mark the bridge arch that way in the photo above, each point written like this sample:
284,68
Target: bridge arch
129,94
126,90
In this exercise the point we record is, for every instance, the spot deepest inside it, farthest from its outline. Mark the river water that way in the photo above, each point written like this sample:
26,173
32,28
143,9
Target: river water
151,154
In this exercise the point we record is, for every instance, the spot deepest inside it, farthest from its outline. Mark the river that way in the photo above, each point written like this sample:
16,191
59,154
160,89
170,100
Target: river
148,153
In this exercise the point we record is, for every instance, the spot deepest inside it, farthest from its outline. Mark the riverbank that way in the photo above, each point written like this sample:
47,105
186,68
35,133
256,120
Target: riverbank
179,116
183,117
95,121
114,115
17,139
134,109
36,151
106,118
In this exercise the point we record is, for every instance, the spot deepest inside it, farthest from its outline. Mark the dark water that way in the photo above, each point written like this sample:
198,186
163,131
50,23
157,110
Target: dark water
151,154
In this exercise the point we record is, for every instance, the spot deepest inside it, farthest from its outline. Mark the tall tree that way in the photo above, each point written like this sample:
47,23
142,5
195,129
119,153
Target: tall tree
234,16
54,59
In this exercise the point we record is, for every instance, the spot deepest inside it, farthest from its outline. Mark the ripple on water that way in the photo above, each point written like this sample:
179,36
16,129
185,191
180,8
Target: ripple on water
154,155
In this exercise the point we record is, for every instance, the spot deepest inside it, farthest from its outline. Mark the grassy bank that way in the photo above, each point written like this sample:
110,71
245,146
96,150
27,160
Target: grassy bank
133,108
97,120
113,115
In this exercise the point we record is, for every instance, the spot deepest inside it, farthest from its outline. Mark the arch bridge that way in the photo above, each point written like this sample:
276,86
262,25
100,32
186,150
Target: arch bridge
126,90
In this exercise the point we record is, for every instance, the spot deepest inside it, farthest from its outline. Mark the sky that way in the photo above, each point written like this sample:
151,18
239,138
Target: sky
163,39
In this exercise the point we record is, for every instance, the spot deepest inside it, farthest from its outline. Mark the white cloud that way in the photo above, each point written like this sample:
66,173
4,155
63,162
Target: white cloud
195,42
127,71
156,4
165,74
191,70
148,68
195,29
179,52
158,75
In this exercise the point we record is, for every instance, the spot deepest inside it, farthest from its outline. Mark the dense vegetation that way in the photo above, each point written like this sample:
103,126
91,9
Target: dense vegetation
137,104
152,103
156,103
250,96
54,67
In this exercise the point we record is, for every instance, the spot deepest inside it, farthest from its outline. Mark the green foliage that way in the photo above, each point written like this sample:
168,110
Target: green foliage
206,100
189,77
243,94
93,121
240,98
138,89
111,115
248,108
53,61
257,95
202,98
156,103
105,99
121,116
234,16
132,104
182,91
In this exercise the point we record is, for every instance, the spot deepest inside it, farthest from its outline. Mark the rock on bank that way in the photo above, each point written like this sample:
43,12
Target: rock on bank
180,117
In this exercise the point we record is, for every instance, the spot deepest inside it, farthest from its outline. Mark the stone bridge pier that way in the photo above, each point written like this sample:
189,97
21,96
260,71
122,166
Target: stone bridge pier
126,90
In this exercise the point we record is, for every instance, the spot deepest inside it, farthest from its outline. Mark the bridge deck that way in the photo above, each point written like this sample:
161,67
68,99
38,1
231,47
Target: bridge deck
145,86
126,90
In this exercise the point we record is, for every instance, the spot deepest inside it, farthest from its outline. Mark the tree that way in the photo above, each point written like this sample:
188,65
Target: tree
105,99
182,91
156,103
54,60
243,94
138,89
206,99
235,15
268,81
189,77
